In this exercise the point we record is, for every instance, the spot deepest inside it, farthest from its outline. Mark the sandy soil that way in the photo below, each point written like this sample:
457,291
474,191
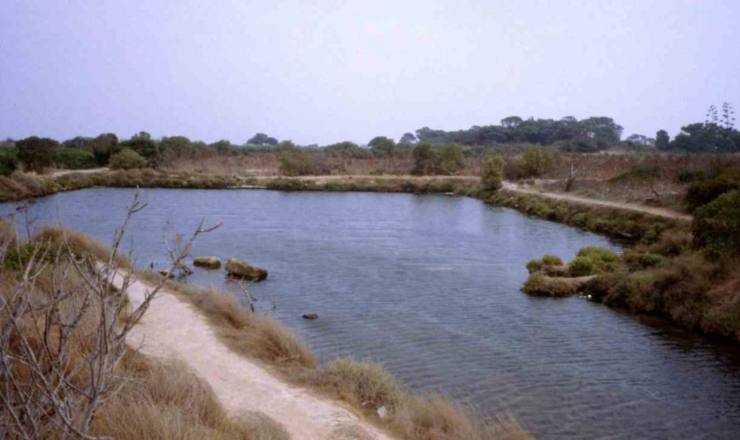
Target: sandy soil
58,173
171,328
660,212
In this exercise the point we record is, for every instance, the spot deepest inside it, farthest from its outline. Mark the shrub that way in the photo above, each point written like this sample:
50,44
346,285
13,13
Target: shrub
426,160
295,162
716,225
492,172
451,159
581,266
74,158
126,159
536,161
703,192
36,153
593,260
551,260
8,161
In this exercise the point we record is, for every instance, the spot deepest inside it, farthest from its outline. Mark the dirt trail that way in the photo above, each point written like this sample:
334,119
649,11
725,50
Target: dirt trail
171,328
660,212
85,171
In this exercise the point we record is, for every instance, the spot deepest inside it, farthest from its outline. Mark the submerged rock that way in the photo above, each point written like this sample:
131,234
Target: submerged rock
207,262
310,316
241,269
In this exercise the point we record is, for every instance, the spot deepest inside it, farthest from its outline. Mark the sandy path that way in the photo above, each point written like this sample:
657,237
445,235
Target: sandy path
85,171
660,212
172,328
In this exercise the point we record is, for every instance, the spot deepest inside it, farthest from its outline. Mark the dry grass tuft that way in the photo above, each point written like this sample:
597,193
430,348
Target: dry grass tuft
167,401
248,333
78,243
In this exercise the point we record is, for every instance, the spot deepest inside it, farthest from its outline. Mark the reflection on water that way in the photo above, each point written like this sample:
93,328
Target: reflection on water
429,285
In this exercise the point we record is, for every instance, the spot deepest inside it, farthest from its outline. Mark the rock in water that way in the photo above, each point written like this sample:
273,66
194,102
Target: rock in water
207,262
310,316
241,269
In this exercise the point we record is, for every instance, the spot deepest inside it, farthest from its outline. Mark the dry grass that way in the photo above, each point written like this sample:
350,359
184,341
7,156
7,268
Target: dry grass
167,401
79,243
157,400
364,386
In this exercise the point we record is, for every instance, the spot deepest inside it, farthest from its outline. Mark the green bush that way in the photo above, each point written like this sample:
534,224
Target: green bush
704,191
451,159
74,158
593,260
295,162
492,172
8,161
582,266
551,260
716,226
126,159
535,162
426,160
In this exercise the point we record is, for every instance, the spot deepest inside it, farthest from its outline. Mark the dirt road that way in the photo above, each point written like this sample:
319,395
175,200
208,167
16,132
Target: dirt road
173,329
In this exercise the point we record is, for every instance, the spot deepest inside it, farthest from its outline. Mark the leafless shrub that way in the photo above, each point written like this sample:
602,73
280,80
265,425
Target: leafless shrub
63,328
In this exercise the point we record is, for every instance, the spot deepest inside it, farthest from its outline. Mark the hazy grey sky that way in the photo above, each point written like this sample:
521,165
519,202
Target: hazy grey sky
323,71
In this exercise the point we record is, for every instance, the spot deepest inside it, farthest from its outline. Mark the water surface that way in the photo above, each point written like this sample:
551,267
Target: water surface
429,286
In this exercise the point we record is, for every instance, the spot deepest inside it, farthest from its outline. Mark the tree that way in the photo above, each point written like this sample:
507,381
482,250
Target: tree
262,139
382,146
511,122
126,159
451,159
407,139
103,147
492,172
143,144
640,140
426,160
8,160
602,129
36,153
662,140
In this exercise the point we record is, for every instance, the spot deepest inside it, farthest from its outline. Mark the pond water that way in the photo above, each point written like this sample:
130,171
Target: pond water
429,286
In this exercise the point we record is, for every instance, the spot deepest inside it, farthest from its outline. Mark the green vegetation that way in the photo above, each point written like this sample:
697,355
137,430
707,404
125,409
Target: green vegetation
492,173
534,162
8,160
593,260
74,158
126,159
716,225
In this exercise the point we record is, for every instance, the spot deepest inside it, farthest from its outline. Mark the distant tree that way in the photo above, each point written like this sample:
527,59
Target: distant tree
601,129
8,160
173,147
382,146
103,147
77,142
662,140
511,122
492,172
407,139
143,144
262,139
127,159
451,159
537,161
426,160
36,153
640,140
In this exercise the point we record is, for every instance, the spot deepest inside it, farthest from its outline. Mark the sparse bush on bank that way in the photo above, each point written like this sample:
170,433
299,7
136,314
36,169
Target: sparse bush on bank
492,173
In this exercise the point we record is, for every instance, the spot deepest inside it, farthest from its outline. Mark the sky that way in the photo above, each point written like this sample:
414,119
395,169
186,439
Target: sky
316,71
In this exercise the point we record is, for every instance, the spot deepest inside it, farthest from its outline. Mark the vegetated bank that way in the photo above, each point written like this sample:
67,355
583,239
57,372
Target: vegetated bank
59,301
688,273
672,268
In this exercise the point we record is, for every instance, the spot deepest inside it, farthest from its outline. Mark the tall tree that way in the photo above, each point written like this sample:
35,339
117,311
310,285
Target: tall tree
36,153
